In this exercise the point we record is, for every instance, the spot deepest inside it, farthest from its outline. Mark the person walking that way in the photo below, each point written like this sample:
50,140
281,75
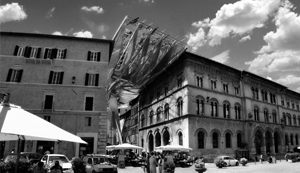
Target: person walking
160,163
261,159
152,163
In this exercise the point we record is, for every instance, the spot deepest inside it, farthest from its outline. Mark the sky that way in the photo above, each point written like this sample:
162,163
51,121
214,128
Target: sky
259,36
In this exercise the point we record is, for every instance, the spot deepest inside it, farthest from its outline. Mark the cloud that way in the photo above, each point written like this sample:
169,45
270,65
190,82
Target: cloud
102,28
103,37
245,38
234,19
298,90
12,12
86,34
268,77
96,9
290,79
50,13
57,33
222,57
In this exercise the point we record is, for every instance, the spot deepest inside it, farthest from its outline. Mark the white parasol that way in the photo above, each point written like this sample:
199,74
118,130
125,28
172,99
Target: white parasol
172,148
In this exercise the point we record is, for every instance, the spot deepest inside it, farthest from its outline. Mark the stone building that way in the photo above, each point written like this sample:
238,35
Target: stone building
62,80
216,109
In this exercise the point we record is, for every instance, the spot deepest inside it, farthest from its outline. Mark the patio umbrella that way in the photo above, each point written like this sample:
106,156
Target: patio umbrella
18,124
123,146
172,148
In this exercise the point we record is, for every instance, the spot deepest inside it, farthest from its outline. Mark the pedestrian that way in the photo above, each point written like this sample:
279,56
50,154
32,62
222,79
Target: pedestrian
261,159
148,163
39,168
160,163
152,163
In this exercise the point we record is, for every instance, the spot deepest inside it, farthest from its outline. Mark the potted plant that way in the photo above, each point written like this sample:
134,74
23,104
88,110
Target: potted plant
219,163
243,161
200,166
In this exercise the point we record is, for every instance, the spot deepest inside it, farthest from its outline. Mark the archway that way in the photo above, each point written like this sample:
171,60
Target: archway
258,140
268,139
277,141
151,142
157,139
166,137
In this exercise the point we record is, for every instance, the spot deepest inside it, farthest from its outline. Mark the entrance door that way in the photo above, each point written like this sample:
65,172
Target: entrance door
88,148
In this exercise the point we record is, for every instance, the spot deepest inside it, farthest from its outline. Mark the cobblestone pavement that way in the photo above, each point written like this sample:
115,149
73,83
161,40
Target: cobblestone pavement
279,167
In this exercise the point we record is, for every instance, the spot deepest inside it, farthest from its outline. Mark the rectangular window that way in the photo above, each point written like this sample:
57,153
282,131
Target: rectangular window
94,56
89,103
54,53
91,79
60,54
48,104
33,52
88,121
56,77
14,75
47,118
19,51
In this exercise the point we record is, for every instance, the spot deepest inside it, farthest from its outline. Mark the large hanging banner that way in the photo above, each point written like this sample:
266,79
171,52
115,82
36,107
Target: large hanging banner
142,53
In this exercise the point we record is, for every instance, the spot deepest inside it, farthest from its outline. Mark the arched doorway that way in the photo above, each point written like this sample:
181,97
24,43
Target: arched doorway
157,139
268,142
258,140
151,142
166,137
277,141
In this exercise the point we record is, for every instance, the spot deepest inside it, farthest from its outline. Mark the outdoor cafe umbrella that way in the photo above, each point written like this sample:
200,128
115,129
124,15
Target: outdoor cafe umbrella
172,148
18,124
123,146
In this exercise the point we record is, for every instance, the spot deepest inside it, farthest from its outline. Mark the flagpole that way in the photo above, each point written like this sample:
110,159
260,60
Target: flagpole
125,18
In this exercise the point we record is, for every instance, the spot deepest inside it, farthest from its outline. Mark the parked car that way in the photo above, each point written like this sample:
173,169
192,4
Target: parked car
99,163
32,157
228,160
49,161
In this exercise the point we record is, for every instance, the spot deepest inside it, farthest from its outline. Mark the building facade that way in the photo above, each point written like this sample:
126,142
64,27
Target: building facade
216,109
62,80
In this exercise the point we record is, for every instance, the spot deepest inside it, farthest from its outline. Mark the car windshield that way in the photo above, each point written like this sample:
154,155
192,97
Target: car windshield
58,158
100,160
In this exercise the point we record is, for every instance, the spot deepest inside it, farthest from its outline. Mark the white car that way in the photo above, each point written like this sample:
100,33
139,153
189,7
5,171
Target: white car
49,160
99,163
228,160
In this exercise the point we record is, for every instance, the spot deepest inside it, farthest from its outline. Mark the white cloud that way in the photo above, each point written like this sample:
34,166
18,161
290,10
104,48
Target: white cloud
290,79
268,77
103,37
86,34
96,9
102,28
222,57
50,13
298,90
12,12
245,38
238,18
57,33
196,40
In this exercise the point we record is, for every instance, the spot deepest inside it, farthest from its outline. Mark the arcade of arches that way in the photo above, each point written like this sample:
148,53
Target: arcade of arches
267,141
158,138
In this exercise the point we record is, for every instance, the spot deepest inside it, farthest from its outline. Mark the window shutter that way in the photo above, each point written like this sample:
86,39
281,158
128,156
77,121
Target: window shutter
65,53
50,77
86,79
20,76
61,77
53,53
46,53
97,80
9,75
39,53
27,53
89,56
16,50
98,56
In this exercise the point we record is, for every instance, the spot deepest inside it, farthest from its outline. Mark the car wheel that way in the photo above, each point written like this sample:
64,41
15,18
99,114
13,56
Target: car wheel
225,164
237,164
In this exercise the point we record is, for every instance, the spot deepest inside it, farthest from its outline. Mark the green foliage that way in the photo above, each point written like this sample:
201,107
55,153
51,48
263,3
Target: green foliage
9,167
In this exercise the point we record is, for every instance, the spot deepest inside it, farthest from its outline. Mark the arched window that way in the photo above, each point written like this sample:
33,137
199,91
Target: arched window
295,120
298,120
215,138
286,139
292,139
158,114
226,110
199,106
266,115
239,140
151,117
200,140
296,139
179,106
214,108
274,115
166,111
284,118
180,138
199,81
237,110
143,120
256,114
228,140
290,119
